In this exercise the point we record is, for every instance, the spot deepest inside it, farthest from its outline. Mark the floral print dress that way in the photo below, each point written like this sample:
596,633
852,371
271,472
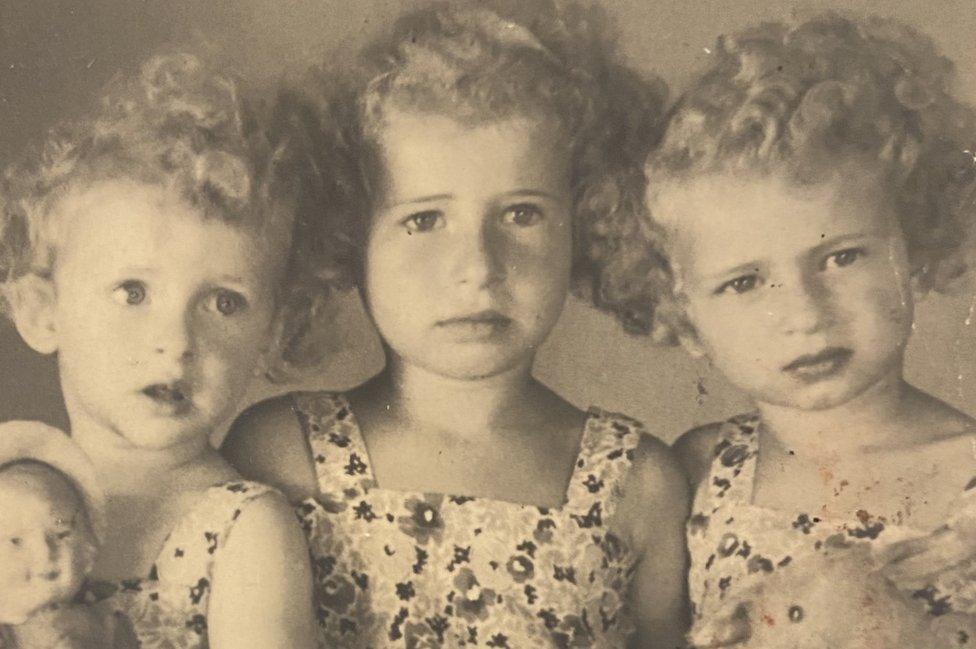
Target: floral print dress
168,608
736,547
396,569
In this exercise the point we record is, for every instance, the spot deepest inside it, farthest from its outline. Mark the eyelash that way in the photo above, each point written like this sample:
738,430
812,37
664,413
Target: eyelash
511,214
746,283
131,292
223,301
854,253
740,285
413,222
235,302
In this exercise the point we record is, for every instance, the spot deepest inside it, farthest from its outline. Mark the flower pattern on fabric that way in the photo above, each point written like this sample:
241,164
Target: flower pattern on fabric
168,609
396,569
736,547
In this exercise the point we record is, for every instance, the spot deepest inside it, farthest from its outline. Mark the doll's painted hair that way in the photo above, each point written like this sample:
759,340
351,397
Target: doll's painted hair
800,103
478,62
177,124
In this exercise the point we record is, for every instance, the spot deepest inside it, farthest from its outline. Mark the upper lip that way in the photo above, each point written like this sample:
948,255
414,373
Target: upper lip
485,316
823,356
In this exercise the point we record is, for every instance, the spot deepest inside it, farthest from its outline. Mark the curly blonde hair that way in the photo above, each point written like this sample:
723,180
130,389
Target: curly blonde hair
797,102
552,60
178,124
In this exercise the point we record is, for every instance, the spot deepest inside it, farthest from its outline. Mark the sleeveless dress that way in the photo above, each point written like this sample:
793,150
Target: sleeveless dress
736,547
397,569
168,608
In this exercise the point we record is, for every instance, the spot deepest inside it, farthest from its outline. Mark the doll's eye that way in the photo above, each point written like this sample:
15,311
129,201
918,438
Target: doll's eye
131,292
523,214
739,285
16,541
227,302
63,535
424,221
842,258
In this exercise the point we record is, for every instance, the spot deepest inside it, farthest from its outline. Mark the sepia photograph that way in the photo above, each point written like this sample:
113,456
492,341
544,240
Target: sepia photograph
638,324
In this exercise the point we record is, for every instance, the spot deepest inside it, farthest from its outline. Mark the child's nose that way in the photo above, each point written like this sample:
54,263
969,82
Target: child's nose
479,257
44,555
174,335
802,308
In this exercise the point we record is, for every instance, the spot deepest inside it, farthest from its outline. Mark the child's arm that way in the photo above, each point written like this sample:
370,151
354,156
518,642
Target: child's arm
261,595
653,512
266,444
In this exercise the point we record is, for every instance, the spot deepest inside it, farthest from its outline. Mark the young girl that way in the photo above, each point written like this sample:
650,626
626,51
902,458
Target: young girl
151,248
809,184
453,499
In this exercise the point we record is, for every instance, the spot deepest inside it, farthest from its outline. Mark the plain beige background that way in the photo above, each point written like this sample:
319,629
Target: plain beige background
54,54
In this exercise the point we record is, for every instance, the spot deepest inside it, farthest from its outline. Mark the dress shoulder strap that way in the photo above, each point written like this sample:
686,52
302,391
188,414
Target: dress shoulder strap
606,453
338,450
192,546
733,469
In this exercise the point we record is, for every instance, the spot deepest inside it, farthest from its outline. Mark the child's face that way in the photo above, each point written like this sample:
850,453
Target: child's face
161,315
801,297
46,544
468,261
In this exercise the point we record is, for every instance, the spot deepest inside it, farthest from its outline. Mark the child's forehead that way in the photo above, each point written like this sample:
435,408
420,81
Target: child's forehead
714,221
154,209
404,123
772,203
435,149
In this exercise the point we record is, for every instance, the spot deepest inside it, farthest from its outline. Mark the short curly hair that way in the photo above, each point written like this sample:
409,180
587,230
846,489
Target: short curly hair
798,101
481,61
178,124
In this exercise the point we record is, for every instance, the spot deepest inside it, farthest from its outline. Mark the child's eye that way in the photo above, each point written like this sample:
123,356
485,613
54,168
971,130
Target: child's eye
842,258
739,285
16,541
424,221
522,215
63,535
131,292
227,302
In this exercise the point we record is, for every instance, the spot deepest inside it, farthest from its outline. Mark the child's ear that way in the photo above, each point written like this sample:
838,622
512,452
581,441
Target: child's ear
33,301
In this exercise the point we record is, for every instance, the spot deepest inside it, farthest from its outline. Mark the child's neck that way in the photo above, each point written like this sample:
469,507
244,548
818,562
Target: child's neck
467,408
871,421
122,467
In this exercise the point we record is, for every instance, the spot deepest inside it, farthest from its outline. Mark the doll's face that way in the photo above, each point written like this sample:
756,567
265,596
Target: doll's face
46,543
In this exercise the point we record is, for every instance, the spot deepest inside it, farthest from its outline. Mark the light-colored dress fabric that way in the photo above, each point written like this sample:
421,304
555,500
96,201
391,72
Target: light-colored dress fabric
397,569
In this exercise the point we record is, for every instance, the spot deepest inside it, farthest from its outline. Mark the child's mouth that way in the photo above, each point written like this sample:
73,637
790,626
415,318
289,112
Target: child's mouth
823,364
173,395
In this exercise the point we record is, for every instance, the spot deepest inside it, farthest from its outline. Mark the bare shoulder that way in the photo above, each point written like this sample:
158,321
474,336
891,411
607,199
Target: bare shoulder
267,444
655,496
265,602
268,518
695,450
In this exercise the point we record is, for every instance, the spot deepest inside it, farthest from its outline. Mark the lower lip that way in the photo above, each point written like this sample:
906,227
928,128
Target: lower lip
825,369
475,330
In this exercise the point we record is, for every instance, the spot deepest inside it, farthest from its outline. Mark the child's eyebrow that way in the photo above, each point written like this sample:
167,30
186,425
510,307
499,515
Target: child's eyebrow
533,193
748,267
421,199
833,241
